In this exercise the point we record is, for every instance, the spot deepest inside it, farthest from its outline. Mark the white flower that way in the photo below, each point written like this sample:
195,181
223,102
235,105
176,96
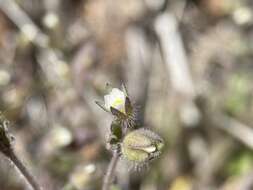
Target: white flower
116,99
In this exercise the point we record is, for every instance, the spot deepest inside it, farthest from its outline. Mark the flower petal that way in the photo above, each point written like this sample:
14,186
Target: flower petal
116,99
108,101
117,93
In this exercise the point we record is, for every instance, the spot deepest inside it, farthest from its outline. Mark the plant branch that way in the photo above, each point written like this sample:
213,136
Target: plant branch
24,171
110,171
24,23
7,149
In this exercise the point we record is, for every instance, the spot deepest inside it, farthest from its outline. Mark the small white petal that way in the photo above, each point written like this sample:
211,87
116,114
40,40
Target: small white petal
107,99
117,93
119,107
150,149
116,99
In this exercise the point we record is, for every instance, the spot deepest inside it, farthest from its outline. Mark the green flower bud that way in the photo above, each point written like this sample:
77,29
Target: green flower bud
141,146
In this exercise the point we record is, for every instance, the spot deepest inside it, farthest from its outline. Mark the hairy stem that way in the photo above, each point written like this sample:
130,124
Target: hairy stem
110,171
27,175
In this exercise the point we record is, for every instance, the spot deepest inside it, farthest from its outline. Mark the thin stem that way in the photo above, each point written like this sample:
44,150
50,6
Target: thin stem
27,175
110,171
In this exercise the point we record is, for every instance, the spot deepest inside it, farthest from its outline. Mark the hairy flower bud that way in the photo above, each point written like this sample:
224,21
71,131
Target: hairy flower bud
115,99
141,146
117,102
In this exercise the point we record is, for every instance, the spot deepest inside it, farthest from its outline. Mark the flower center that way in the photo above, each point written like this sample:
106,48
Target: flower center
118,104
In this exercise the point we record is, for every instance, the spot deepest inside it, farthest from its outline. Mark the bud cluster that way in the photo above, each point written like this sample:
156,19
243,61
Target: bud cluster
137,146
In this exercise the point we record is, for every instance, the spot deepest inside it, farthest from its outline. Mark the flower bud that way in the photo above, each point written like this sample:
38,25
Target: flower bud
141,146
115,99
117,102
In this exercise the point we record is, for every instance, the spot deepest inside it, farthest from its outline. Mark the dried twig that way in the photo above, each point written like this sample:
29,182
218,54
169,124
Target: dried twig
18,163
174,54
24,23
235,128
50,62
177,65
7,149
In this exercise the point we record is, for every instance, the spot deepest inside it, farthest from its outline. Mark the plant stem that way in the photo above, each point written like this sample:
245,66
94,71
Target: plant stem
27,175
110,171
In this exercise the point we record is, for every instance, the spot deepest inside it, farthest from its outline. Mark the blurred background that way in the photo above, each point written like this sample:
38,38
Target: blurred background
187,64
